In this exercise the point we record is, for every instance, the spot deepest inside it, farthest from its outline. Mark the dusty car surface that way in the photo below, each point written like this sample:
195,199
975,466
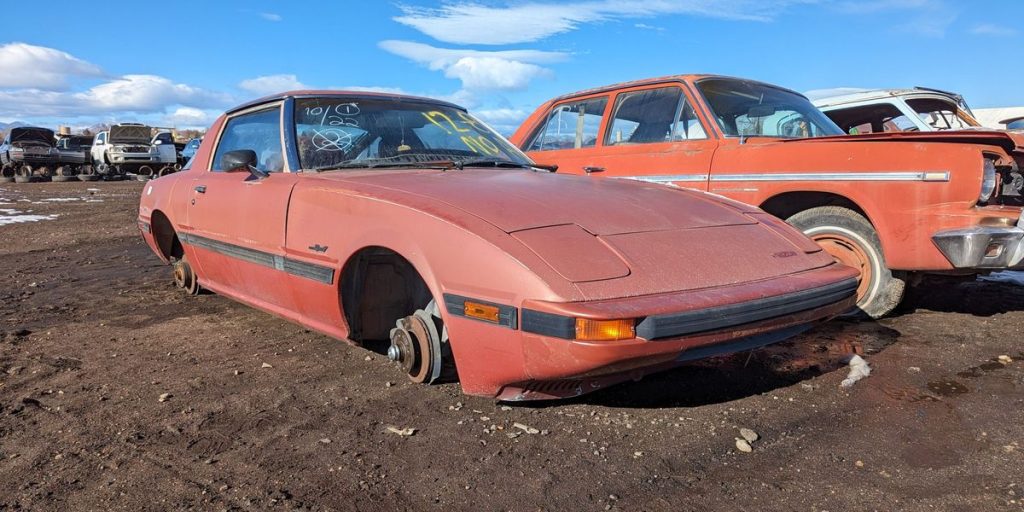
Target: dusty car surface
889,204
407,225
898,110
28,153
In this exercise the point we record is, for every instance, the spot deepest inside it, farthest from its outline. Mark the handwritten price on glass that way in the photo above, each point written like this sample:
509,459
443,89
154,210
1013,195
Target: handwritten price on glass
476,143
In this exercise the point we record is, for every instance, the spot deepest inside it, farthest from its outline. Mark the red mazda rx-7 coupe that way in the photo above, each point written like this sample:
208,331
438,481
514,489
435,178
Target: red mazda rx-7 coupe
407,222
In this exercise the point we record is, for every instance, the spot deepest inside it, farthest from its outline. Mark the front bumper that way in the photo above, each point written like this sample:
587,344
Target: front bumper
671,328
983,247
133,158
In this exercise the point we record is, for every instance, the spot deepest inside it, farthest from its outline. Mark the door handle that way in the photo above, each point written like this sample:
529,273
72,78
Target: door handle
589,169
201,189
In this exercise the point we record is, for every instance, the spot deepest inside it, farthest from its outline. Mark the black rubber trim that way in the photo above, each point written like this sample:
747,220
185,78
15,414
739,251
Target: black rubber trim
312,271
456,305
549,324
722,317
674,325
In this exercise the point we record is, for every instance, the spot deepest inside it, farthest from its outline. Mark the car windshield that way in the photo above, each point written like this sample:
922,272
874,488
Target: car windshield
357,132
750,109
942,114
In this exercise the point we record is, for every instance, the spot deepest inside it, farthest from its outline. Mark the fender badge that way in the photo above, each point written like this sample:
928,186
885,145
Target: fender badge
318,248
784,254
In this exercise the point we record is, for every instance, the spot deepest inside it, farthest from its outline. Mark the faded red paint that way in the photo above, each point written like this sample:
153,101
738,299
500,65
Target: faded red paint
905,214
513,237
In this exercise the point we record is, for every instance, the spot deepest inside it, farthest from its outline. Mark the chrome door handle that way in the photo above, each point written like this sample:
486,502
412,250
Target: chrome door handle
201,189
588,169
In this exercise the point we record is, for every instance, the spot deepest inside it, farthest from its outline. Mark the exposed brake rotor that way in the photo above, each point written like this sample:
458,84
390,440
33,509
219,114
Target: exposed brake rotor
420,349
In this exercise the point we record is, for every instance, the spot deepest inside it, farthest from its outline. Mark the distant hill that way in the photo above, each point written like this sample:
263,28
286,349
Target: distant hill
12,124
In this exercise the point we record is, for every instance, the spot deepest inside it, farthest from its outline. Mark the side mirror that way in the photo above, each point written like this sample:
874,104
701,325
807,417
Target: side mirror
158,142
242,160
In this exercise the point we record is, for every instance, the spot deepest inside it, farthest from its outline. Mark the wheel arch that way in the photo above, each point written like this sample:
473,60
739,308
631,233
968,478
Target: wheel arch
787,204
165,236
377,285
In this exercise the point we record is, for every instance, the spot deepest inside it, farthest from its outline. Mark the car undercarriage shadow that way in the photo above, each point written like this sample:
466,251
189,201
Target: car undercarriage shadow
722,379
967,294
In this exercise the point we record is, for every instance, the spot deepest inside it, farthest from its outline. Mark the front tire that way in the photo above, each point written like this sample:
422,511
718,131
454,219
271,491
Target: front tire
853,241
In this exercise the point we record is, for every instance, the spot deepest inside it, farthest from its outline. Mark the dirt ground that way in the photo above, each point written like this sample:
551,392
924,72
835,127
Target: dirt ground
118,392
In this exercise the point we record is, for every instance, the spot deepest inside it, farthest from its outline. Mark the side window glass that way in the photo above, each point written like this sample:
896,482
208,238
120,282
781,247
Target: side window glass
647,116
687,126
101,138
571,125
258,131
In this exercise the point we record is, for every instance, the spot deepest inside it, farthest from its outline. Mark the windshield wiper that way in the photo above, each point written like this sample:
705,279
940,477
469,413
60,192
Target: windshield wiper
440,164
494,162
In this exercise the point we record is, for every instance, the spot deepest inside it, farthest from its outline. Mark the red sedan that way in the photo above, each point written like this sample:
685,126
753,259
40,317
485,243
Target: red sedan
407,225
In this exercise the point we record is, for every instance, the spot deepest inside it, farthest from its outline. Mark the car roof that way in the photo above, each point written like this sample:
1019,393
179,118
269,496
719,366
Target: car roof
876,94
664,79
346,93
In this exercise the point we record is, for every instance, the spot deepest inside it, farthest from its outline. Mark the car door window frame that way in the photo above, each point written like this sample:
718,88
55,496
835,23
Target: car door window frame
542,127
280,106
683,101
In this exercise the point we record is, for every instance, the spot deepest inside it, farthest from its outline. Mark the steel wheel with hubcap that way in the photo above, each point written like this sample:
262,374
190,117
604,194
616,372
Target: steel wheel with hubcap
853,241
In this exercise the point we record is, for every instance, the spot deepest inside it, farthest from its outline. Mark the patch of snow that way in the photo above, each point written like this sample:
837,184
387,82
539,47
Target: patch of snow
11,216
1006,276
61,199
858,370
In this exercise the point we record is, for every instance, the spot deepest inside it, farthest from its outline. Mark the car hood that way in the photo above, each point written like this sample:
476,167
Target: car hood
42,136
520,200
1009,141
610,238
120,134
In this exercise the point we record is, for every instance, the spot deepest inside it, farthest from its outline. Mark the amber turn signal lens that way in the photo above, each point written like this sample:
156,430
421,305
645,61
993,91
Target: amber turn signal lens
604,330
483,312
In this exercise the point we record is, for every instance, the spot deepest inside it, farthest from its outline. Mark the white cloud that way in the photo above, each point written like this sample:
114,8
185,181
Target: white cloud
479,70
504,120
933,24
644,26
270,16
188,117
494,73
271,84
24,65
130,93
147,93
989,29
469,22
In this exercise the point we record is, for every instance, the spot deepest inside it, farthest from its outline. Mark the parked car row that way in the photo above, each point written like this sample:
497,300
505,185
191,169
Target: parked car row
34,153
408,225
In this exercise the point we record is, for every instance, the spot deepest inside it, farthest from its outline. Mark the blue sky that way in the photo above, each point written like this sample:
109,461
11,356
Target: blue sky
181,63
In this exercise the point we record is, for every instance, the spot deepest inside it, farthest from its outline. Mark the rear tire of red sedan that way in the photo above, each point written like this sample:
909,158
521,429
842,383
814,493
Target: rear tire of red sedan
853,241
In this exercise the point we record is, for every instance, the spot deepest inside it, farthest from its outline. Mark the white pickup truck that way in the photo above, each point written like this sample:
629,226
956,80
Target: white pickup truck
132,148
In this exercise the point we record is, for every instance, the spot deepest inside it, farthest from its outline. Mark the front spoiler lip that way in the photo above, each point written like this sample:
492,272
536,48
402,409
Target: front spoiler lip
968,248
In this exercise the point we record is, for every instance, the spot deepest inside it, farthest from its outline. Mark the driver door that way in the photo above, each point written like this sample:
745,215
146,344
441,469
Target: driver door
238,220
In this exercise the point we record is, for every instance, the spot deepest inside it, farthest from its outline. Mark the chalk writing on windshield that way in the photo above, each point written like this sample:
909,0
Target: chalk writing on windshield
476,143
332,135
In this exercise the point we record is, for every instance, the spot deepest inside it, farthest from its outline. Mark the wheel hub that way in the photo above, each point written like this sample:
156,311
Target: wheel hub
849,253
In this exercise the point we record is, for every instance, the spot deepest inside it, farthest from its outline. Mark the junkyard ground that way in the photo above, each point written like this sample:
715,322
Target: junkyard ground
118,392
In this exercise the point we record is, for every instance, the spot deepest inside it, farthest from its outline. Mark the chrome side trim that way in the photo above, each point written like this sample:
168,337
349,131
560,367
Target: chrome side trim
319,273
666,178
928,176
